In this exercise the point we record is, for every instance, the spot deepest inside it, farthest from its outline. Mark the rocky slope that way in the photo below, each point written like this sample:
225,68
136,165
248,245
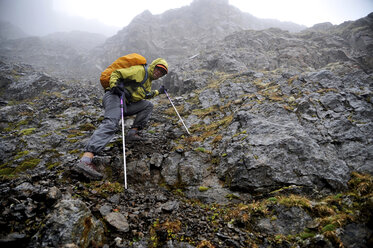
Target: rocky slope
280,153
276,158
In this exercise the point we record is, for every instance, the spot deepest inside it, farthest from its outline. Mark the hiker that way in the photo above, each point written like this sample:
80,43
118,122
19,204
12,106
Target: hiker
123,82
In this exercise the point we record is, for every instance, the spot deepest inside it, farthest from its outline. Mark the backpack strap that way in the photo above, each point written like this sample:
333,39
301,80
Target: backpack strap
145,78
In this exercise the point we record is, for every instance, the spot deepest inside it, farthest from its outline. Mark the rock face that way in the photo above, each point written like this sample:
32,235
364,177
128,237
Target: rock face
288,136
70,223
180,33
280,154
274,49
175,34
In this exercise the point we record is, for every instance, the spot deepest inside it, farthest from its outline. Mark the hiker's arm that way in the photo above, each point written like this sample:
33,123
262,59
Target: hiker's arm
114,78
128,74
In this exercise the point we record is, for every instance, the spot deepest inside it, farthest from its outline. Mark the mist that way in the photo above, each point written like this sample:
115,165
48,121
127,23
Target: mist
38,18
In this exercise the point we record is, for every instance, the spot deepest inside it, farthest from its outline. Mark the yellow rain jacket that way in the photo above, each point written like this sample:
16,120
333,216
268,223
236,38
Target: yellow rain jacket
132,78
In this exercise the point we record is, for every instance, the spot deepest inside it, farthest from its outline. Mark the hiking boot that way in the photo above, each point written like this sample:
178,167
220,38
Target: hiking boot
133,136
89,170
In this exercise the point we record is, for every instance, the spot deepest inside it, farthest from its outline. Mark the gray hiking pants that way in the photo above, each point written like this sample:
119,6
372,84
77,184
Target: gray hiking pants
105,132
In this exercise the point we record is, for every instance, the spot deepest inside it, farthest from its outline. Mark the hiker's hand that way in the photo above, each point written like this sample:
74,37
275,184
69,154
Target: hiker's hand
117,91
150,95
162,90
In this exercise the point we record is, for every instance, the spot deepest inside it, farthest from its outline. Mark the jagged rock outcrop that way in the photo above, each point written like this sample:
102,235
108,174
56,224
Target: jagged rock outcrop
71,223
179,33
175,34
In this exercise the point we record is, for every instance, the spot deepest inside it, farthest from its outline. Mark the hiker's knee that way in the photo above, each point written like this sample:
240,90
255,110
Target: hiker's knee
110,123
149,107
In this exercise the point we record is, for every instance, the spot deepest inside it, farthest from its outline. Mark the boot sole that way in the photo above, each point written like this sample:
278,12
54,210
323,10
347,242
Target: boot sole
80,168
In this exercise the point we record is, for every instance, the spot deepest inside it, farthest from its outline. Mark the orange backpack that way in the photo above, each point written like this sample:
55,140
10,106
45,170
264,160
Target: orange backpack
122,62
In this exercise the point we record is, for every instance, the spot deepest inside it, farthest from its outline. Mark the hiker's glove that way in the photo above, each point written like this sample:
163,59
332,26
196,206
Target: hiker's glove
150,95
162,90
117,91
119,88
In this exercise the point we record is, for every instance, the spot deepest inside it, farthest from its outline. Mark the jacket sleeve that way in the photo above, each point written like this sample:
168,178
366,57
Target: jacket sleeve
130,73
114,78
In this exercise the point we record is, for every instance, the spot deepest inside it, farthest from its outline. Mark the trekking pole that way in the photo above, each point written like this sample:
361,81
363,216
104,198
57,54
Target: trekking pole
124,148
177,112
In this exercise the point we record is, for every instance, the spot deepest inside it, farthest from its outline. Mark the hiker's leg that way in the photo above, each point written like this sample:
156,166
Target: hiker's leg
142,109
109,125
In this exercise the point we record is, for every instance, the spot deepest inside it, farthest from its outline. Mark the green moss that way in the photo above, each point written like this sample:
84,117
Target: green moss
295,200
328,228
200,149
21,154
215,161
27,131
338,196
361,184
179,192
107,188
26,165
52,165
272,199
75,135
6,172
202,113
232,196
46,135
3,165
87,127
23,122
203,188
307,234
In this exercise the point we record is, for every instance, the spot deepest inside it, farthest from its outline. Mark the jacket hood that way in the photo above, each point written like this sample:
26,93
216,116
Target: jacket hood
156,62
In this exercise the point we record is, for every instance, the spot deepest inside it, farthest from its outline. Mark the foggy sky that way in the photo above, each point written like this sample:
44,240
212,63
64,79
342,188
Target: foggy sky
37,17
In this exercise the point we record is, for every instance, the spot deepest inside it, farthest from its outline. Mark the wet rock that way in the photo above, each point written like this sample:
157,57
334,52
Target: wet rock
170,168
115,199
13,240
170,206
54,194
105,209
138,171
356,235
287,221
118,221
26,189
73,222
209,98
156,159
